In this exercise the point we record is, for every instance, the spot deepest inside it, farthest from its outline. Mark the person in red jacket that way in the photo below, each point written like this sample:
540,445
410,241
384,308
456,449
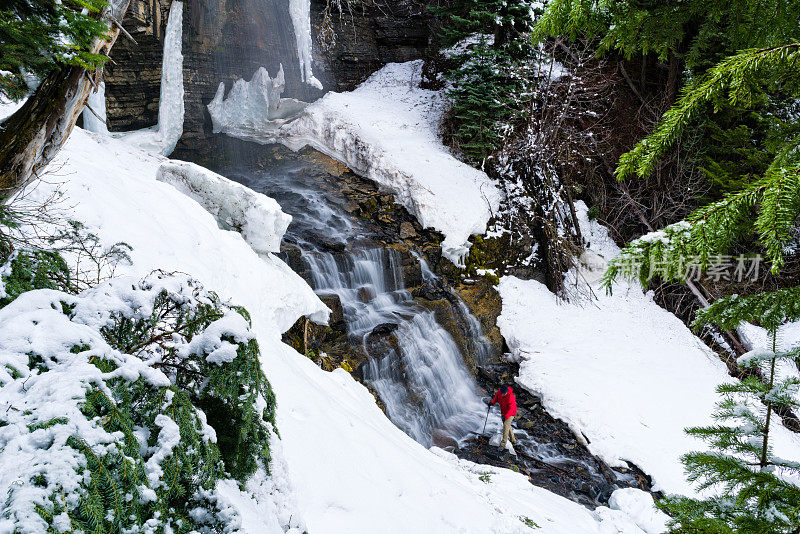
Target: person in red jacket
508,409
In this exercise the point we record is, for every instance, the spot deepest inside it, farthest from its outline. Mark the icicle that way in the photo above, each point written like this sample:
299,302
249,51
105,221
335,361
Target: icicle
300,12
163,137
94,115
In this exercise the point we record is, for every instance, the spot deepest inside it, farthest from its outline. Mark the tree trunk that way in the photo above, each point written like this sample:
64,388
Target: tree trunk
765,444
33,135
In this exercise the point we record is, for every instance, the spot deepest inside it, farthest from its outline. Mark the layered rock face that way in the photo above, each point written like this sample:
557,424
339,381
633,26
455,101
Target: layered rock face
227,40
367,34
133,76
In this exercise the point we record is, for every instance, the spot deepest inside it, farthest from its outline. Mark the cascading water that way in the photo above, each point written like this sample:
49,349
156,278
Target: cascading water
414,365
421,377
422,380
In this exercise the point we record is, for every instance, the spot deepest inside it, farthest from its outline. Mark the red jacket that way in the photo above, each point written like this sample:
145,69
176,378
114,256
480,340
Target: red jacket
508,403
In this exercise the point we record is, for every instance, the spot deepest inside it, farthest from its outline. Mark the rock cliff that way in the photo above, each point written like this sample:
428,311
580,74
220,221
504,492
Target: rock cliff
226,40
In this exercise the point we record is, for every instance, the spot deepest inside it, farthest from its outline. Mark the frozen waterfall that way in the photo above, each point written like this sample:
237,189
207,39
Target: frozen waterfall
163,137
300,11
94,114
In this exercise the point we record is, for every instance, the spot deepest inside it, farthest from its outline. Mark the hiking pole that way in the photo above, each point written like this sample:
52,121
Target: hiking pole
487,418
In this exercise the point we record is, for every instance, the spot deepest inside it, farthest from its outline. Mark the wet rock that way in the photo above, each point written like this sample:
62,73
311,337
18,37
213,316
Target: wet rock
366,293
336,320
293,257
407,230
332,246
430,291
485,304
384,329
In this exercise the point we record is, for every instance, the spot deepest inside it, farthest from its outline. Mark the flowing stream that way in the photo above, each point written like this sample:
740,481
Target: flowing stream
414,365
420,377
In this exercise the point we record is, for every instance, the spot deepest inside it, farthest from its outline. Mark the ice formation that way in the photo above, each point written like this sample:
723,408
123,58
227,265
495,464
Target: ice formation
163,137
257,217
300,12
94,119
254,109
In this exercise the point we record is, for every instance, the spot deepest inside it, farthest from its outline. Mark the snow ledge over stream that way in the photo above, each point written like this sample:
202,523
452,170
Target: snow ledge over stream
386,130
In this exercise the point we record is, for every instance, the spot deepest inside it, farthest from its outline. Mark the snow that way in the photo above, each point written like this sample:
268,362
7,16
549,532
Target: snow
212,344
631,504
117,195
387,130
758,341
257,217
300,13
253,109
9,107
625,374
340,465
31,326
97,103
163,137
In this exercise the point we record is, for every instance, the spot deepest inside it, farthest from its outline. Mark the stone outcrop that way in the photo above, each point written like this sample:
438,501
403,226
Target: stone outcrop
228,40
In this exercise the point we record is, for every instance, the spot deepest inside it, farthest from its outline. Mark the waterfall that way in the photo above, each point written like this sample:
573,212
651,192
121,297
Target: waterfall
422,381
415,367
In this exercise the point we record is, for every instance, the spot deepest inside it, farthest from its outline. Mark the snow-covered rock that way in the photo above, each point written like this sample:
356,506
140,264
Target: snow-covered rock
162,138
637,506
254,109
387,131
257,217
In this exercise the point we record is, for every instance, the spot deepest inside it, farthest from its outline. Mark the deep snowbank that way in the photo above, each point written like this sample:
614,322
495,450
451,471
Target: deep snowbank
257,217
620,370
386,130
341,465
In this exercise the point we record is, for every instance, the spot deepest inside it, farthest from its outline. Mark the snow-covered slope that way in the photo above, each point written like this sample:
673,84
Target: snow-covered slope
341,466
620,370
258,217
387,130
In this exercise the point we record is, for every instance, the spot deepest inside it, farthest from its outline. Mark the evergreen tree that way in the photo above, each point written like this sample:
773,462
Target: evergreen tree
163,392
741,65
698,32
757,492
490,78
173,400
738,61
37,36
